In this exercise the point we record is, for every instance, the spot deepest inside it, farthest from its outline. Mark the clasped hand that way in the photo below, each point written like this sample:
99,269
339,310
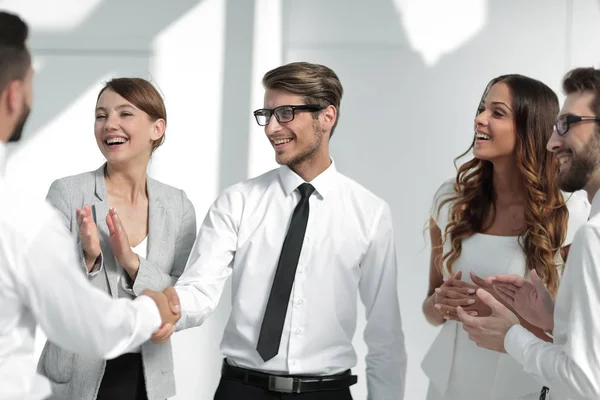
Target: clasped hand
170,312
454,292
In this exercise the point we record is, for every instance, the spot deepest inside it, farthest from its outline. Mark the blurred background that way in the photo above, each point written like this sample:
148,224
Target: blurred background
413,73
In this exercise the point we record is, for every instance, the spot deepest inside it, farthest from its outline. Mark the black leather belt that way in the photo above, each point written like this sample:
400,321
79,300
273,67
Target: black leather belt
288,383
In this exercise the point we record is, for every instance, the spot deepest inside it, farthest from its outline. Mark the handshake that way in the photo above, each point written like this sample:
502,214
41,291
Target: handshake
170,312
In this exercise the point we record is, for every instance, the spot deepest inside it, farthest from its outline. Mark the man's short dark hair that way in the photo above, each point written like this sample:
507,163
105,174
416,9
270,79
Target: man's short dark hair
316,83
584,80
14,56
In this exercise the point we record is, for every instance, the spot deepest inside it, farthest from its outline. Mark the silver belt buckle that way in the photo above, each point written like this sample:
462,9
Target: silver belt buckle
281,384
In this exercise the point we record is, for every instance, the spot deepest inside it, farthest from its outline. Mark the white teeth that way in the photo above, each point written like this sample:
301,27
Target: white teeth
482,136
563,159
281,141
116,140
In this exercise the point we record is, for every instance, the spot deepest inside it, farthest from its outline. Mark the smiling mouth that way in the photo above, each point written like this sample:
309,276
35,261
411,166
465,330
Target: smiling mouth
564,159
279,142
482,136
115,142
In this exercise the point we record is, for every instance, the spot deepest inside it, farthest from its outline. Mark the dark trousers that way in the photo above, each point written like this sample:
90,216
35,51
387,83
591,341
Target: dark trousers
123,379
234,390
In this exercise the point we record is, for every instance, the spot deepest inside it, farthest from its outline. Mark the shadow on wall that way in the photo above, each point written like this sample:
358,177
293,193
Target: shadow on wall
102,46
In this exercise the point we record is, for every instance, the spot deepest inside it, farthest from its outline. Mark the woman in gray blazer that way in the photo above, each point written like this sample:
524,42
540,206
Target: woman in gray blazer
134,233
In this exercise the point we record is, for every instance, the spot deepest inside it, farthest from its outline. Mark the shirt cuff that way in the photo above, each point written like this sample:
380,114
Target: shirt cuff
190,315
97,264
126,284
180,325
148,314
517,340
96,268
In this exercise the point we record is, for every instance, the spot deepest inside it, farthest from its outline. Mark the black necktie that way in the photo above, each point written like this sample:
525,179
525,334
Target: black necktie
272,325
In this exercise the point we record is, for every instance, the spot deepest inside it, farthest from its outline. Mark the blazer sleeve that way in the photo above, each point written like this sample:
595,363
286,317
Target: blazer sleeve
57,198
153,278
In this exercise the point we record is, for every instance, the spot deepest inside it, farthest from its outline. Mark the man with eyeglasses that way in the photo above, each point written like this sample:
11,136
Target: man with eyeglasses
302,242
569,367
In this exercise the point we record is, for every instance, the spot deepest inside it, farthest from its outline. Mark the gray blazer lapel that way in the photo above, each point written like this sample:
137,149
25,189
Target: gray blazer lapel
100,210
156,221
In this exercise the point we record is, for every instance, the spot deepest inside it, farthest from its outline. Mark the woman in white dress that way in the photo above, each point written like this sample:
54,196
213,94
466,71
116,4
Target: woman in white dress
503,214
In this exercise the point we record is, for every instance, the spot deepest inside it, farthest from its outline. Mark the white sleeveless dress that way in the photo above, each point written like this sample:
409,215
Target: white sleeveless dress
456,367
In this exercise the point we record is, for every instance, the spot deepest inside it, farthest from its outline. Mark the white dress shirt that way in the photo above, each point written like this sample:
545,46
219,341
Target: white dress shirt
348,250
570,366
41,282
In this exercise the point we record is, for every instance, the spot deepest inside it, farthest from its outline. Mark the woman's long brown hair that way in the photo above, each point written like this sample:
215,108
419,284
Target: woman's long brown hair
535,107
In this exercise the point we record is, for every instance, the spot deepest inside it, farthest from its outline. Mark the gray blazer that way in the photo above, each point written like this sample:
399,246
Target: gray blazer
171,235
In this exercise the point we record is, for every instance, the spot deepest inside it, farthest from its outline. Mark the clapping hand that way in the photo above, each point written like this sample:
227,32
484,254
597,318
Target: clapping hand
529,298
119,243
451,294
489,332
88,234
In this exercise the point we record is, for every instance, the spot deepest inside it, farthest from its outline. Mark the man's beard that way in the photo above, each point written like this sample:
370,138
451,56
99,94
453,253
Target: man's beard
582,167
310,153
16,135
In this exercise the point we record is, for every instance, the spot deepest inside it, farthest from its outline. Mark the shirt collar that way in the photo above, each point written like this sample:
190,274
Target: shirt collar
2,158
595,204
323,183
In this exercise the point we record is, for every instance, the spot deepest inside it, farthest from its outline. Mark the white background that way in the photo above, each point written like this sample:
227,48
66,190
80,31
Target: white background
413,73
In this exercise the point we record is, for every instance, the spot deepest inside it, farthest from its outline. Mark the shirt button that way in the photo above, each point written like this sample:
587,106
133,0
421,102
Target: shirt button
293,362
298,331
306,240
299,301
300,270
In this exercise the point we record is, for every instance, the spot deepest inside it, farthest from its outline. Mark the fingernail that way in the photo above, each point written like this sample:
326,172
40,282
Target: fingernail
438,306
470,301
471,291
445,279
437,290
176,309
446,317
474,313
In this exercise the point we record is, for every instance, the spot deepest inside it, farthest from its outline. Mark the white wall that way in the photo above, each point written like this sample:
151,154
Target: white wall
413,73
410,101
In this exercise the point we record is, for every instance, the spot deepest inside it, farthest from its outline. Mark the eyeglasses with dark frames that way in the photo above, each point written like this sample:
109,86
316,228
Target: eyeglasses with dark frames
563,123
283,114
